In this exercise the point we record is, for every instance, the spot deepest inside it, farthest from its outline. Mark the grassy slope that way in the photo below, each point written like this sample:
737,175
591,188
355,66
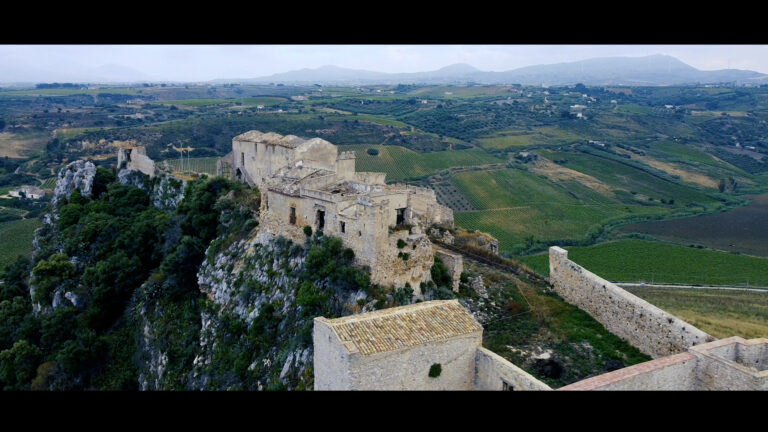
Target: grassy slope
516,204
632,179
719,313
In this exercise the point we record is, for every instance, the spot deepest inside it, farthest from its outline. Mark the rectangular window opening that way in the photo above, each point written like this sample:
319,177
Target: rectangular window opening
320,220
292,217
342,226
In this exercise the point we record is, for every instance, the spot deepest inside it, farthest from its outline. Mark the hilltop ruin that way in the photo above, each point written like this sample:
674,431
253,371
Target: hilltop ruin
309,183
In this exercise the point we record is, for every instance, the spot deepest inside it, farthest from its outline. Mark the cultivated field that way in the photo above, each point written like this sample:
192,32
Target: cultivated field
49,183
515,205
649,261
19,145
740,230
401,163
204,165
542,136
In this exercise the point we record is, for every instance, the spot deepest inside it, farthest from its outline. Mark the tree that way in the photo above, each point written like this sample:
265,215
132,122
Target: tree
18,365
102,178
49,274
15,279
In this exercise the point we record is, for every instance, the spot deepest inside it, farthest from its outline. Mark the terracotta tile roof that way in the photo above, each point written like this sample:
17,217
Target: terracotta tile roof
405,326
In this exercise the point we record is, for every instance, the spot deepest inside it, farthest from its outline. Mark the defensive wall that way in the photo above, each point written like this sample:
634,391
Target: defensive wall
645,326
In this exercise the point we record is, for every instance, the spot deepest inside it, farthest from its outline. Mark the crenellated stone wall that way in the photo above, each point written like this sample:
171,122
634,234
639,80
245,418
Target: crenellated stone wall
646,327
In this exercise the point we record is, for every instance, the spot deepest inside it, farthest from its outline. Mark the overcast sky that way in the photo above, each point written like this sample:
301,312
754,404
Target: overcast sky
26,63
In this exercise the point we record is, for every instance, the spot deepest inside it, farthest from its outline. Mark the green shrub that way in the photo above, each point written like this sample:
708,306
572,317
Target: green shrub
308,231
435,370
400,243
373,152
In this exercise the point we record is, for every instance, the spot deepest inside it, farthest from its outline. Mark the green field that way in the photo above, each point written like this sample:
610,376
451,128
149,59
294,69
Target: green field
401,163
720,313
16,238
385,121
649,261
629,178
515,204
523,138
203,165
634,109
65,134
49,183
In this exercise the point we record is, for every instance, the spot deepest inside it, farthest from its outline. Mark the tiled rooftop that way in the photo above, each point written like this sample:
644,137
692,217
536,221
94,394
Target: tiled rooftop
405,326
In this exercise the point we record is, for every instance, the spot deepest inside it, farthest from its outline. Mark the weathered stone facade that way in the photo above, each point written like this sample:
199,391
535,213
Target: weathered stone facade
645,326
309,183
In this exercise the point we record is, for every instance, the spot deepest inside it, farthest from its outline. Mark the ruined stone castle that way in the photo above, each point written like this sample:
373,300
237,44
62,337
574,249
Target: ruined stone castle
437,345
309,183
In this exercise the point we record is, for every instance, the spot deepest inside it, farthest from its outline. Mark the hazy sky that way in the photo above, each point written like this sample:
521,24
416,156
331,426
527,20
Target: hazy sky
205,62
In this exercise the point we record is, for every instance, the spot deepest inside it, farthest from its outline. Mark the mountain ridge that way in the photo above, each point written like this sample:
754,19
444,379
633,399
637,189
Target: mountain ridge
657,69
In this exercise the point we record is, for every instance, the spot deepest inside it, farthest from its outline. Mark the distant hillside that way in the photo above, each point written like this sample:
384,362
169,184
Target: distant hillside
649,70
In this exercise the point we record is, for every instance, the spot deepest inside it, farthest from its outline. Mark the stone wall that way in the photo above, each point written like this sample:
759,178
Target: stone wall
336,368
732,364
493,371
648,328
136,159
455,264
676,372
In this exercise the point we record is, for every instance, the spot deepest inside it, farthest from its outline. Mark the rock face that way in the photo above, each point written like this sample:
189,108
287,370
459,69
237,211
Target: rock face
76,175
254,276
133,178
165,191
168,192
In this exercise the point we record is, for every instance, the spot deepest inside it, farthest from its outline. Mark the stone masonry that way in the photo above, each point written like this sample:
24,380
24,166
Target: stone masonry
646,327
135,158
309,183
395,349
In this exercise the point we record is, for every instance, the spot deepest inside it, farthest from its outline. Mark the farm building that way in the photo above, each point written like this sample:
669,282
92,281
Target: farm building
27,191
